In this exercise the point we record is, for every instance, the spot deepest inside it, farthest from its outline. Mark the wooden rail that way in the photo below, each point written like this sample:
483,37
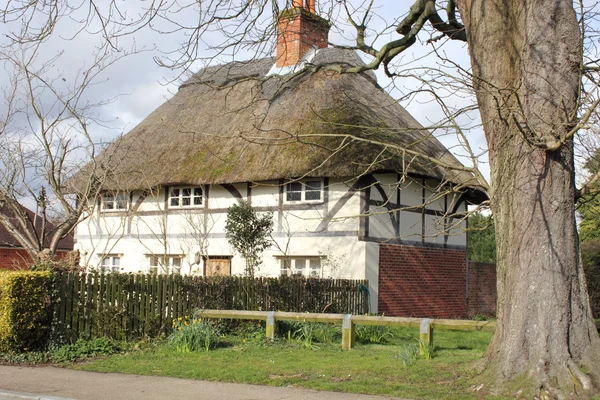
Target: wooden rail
348,321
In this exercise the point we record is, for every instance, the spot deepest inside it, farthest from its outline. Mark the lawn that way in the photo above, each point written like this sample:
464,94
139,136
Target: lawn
368,368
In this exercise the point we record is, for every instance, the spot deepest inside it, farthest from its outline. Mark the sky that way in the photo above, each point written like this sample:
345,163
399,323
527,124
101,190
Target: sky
133,86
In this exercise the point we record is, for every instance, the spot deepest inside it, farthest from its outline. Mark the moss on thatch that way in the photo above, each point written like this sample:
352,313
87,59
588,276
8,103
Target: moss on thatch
233,123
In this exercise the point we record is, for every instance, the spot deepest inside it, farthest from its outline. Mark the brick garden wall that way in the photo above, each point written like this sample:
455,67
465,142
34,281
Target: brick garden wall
482,289
15,259
422,282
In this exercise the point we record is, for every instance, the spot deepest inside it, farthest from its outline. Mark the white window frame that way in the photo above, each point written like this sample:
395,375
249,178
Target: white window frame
180,197
107,263
307,266
115,199
303,184
157,264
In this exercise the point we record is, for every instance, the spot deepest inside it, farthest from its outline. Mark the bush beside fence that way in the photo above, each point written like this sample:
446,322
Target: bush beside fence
127,307
24,309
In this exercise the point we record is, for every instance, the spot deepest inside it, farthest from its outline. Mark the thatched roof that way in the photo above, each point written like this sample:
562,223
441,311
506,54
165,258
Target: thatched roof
233,123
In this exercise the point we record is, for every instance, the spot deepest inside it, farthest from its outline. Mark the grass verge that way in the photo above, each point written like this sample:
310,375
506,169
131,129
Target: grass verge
371,368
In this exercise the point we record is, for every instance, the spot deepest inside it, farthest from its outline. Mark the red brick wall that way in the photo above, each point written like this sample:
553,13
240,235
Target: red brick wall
14,259
422,282
482,288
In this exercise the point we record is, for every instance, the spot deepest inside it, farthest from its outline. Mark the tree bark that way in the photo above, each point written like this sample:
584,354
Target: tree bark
526,59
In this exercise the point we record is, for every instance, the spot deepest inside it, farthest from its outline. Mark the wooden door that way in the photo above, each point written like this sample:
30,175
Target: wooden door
217,266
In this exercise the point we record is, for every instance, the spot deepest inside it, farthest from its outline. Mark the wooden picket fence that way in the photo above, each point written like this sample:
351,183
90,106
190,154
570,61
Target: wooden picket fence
127,306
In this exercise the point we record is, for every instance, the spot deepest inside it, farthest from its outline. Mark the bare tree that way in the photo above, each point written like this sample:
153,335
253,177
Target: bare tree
45,140
534,74
197,228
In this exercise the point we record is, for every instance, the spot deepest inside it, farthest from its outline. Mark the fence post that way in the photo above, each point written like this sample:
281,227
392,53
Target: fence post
270,333
347,332
426,338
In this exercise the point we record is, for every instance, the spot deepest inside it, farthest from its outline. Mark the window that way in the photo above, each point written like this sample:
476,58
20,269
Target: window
114,202
305,266
307,191
111,263
169,264
185,197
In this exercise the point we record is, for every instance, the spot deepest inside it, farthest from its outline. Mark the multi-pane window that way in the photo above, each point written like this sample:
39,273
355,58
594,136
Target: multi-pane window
114,202
111,263
308,190
169,264
305,266
185,197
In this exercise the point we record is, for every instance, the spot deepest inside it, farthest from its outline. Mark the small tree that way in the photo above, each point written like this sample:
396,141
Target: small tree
248,232
482,238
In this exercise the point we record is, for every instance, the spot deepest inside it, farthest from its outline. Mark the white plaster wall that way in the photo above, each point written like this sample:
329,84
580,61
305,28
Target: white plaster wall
302,220
220,198
134,236
411,192
342,257
433,199
389,184
457,235
411,227
154,201
265,194
301,232
147,225
372,273
380,223
434,229
347,218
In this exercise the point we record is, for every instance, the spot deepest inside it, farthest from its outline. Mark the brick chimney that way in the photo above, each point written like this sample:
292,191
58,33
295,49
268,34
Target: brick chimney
298,30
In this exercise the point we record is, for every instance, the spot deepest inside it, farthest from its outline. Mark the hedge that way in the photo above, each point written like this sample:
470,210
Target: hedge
24,309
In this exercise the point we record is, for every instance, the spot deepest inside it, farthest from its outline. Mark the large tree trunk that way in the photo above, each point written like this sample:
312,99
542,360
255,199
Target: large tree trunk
526,57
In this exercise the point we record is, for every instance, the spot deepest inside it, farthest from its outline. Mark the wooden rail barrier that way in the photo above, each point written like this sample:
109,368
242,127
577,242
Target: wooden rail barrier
348,321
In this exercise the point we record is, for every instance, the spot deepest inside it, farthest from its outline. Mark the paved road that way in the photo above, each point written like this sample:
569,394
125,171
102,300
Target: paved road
49,383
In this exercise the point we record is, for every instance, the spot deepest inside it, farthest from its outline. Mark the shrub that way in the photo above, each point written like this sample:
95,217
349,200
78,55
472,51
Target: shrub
253,331
426,349
373,333
85,348
327,333
28,358
408,354
193,334
24,309
305,332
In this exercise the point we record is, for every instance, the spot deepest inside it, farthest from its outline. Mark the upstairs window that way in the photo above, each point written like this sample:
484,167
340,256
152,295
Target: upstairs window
111,263
114,202
304,191
185,197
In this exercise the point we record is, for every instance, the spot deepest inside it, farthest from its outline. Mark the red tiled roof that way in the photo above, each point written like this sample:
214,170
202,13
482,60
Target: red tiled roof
8,240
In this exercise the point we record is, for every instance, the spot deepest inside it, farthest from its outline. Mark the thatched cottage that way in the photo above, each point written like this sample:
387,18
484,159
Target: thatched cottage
353,181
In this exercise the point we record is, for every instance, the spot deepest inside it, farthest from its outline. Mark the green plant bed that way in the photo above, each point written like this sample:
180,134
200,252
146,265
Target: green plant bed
369,368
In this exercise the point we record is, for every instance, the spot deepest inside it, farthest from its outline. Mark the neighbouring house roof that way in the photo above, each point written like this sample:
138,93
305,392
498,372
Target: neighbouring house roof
234,123
8,240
